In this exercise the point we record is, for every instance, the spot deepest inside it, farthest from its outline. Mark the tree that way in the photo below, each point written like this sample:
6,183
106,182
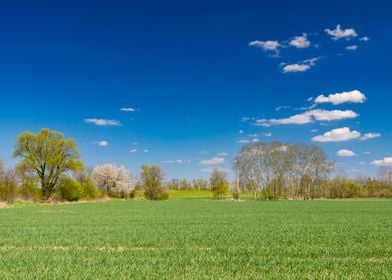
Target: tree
112,179
218,183
48,156
8,184
152,180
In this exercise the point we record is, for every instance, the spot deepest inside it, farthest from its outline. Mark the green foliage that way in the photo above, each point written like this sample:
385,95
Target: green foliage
70,190
218,183
48,155
89,191
30,191
8,189
152,180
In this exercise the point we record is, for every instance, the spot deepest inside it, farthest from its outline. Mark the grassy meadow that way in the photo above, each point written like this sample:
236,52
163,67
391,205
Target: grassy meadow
198,238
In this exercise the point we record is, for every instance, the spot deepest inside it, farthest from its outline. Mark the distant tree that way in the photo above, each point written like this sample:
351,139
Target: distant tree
152,179
112,179
200,184
8,184
48,156
185,185
218,183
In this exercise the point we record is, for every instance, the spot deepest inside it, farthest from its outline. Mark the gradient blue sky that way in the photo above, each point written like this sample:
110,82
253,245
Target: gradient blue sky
188,71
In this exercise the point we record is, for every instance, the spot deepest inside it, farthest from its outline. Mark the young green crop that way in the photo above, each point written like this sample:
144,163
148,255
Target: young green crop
198,239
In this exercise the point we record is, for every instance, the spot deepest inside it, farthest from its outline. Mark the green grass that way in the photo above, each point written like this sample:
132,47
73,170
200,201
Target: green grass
198,239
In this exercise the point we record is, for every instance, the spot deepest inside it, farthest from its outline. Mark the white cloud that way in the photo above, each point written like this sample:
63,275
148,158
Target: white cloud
346,153
300,67
354,96
300,42
213,161
371,135
103,122
255,140
266,45
133,151
101,143
268,134
146,151
339,33
352,48
223,154
364,39
243,141
386,161
309,116
178,161
127,109
282,108
337,135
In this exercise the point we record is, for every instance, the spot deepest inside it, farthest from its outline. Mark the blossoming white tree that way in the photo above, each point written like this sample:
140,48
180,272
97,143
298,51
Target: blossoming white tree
112,178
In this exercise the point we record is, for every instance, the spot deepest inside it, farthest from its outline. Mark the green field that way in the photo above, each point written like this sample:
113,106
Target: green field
198,239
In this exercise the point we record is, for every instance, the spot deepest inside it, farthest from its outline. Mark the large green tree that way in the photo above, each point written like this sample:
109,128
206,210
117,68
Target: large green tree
47,155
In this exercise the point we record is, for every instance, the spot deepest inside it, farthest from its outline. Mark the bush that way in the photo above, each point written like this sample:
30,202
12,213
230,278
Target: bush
30,191
89,191
236,195
157,195
8,189
70,190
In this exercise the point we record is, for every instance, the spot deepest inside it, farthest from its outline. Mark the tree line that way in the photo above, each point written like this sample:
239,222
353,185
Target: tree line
50,168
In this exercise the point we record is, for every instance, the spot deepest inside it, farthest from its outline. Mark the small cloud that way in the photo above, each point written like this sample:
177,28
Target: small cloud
266,45
243,141
352,48
133,151
367,152
303,66
339,33
386,161
354,96
146,151
241,132
103,122
255,140
282,108
346,153
268,134
101,143
371,135
364,39
213,161
223,154
337,135
309,117
127,109
300,42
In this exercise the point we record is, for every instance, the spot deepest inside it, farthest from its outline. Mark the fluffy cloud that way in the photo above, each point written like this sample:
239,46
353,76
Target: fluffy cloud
300,67
354,96
346,153
364,39
339,33
386,161
371,135
133,151
213,161
300,42
266,45
127,109
352,48
309,116
103,122
337,135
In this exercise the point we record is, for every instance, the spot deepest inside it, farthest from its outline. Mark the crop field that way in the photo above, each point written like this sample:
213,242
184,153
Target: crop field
198,239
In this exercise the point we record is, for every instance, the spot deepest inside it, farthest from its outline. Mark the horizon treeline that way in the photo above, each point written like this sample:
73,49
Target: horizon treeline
50,168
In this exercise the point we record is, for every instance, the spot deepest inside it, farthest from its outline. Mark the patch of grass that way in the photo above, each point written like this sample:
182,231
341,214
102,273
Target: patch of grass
198,238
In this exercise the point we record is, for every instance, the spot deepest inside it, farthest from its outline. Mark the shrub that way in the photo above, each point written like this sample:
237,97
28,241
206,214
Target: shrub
30,191
89,191
70,190
8,189
157,195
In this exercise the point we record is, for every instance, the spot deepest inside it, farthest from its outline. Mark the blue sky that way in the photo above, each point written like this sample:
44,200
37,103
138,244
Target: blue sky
201,77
